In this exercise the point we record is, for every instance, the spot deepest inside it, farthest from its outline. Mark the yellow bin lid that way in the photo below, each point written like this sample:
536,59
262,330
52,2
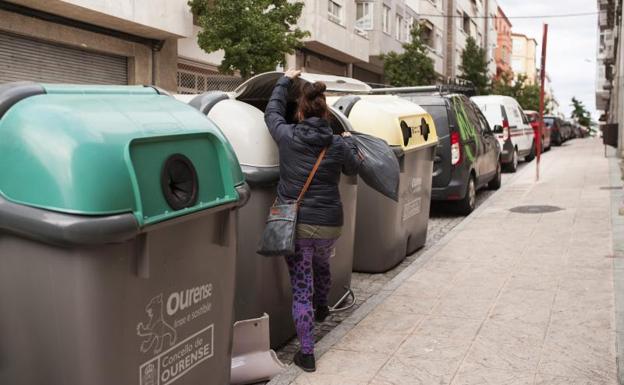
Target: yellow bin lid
396,120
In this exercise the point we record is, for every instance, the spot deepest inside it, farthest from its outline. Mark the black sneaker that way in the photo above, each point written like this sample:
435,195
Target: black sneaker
321,313
305,361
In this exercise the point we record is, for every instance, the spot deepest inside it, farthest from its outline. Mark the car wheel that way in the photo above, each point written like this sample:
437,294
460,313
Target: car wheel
531,155
513,165
467,205
495,183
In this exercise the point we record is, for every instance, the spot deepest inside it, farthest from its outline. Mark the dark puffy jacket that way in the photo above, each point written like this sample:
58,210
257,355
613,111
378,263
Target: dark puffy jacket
299,147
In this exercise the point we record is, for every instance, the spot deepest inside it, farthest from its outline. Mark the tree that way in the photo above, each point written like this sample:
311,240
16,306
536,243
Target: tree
413,67
580,113
474,66
255,35
527,95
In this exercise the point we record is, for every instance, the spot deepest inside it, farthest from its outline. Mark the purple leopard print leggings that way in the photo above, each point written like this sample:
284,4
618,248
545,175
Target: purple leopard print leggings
310,278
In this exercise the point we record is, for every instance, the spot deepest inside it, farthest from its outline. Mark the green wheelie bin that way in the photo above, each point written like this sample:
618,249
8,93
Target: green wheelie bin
117,238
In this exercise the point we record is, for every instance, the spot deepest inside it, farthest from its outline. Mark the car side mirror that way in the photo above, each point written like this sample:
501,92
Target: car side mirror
498,129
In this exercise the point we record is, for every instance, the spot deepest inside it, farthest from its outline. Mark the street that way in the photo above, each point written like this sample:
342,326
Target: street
503,298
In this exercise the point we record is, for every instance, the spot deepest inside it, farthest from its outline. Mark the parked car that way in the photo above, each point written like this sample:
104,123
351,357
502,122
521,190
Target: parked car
558,132
535,123
567,131
468,154
511,126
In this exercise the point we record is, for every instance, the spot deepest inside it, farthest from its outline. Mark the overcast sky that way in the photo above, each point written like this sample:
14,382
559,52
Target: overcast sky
571,58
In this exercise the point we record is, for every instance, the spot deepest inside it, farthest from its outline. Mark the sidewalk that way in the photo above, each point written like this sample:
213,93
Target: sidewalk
506,298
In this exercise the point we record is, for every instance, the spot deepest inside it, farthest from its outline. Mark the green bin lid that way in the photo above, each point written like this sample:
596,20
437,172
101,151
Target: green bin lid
105,150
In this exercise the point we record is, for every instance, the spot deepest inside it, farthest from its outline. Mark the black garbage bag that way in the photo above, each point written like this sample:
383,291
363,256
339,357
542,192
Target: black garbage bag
380,166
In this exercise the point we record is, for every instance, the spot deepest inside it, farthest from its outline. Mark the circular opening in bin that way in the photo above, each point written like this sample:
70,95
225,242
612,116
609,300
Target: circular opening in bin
406,131
424,129
179,182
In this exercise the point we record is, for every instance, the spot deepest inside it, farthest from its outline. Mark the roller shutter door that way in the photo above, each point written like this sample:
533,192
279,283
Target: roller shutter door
24,58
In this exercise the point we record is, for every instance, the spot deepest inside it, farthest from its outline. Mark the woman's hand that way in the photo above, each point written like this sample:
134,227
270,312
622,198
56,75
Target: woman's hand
292,73
346,134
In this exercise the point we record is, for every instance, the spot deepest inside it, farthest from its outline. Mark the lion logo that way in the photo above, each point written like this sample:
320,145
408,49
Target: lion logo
156,330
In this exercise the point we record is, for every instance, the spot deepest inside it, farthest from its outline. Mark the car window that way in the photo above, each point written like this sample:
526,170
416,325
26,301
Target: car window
492,113
465,118
549,122
504,113
484,123
525,120
471,111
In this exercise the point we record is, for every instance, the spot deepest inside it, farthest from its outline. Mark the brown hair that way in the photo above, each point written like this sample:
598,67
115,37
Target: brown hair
312,101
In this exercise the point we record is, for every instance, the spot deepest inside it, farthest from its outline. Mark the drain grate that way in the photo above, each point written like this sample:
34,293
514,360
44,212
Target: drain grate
537,209
611,188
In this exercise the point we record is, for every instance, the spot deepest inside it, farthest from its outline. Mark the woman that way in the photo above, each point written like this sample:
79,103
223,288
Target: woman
320,213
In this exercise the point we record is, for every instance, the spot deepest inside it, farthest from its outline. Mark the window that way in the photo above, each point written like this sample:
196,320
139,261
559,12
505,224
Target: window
364,15
525,120
398,29
408,29
385,20
466,23
426,35
334,9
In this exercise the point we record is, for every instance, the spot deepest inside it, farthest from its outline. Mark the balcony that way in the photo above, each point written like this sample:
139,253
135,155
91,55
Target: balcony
157,19
337,38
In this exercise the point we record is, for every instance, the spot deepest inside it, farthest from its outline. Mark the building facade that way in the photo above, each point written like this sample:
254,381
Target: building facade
523,57
96,42
469,18
610,67
155,41
502,57
432,18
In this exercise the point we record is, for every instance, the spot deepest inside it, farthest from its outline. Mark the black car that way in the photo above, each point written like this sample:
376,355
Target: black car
468,153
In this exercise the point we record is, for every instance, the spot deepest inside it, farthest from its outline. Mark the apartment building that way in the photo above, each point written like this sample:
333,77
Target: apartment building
469,18
524,56
502,57
96,42
432,18
610,67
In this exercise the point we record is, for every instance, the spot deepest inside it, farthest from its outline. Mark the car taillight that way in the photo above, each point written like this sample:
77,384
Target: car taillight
506,132
455,149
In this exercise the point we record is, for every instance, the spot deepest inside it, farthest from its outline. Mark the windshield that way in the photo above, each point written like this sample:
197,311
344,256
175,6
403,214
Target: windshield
493,112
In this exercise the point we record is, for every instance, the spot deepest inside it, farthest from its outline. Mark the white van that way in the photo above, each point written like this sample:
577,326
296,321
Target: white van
511,126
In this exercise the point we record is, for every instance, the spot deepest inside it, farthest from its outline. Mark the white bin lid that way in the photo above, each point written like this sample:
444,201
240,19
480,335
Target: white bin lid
260,86
244,126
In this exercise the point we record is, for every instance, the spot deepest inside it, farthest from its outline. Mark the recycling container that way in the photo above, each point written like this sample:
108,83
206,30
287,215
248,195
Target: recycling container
263,283
117,238
387,231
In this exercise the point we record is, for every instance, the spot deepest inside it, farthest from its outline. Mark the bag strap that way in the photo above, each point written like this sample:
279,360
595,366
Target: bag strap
311,176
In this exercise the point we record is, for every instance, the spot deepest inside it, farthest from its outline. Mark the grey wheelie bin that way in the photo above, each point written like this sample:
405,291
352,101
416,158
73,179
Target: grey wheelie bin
117,238
263,284
388,231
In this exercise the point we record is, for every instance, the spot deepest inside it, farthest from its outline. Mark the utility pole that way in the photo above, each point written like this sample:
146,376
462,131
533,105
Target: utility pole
538,136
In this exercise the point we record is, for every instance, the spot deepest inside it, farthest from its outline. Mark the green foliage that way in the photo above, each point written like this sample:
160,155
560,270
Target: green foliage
254,34
474,66
580,113
528,95
412,67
